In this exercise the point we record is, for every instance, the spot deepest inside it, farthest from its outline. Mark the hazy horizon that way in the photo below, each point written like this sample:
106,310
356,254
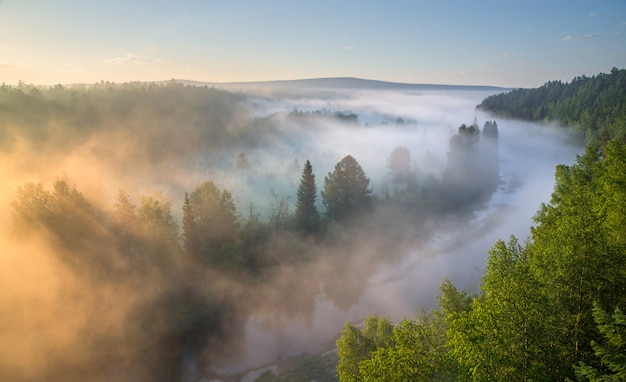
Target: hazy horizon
479,43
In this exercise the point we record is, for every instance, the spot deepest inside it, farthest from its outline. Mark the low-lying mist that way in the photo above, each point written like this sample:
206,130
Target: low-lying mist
96,281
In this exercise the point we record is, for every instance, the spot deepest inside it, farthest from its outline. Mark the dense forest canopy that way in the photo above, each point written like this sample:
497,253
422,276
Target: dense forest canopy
592,107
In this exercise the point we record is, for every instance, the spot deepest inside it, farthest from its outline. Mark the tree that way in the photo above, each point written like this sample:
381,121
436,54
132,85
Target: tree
125,212
577,251
158,229
356,345
345,189
399,164
611,352
190,234
215,217
502,336
242,161
472,172
280,210
412,350
126,219
307,216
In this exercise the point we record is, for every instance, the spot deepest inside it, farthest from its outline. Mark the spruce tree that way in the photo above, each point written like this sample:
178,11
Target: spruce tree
190,238
307,216
611,352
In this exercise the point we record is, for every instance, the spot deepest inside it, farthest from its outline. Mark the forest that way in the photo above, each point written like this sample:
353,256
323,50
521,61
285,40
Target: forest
157,285
591,107
550,306
146,222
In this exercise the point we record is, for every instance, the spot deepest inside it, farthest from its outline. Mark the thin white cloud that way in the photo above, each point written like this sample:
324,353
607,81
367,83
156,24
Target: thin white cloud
570,37
592,14
128,58
350,47
502,55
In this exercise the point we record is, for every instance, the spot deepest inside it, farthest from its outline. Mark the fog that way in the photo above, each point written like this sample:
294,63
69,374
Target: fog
458,247
69,317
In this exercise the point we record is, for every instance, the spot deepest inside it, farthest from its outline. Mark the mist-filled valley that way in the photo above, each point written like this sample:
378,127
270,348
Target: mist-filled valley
172,231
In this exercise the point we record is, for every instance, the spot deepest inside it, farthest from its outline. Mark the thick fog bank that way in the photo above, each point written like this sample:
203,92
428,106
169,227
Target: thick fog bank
528,155
97,278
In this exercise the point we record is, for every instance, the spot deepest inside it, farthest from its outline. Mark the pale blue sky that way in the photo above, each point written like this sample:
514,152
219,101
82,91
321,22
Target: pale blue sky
479,42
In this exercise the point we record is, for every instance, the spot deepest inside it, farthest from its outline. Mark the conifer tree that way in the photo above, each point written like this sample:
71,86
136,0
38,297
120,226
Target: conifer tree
612,352
307,216
346,189
190,238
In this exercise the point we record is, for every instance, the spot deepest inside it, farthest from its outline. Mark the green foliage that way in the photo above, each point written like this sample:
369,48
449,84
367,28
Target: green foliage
590,106
412,350
501,337
62,118
578,248
534,317
158,230
612,350
417,353
346,189
191,243
307,216
216,222
356,345
452,301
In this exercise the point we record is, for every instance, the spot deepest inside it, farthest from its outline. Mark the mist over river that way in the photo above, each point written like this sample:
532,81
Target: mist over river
455,247
151,228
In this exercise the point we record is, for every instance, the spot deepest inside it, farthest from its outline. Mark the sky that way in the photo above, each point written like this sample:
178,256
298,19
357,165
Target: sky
482,42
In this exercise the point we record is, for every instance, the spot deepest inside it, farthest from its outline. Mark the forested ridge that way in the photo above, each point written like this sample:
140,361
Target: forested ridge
139,286
592,107
550,307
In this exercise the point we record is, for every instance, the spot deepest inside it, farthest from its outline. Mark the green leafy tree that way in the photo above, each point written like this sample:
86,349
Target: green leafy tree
32,208
399,362
307,216
412,350
578,249
158,230
216,222
345,189
356,345
501,337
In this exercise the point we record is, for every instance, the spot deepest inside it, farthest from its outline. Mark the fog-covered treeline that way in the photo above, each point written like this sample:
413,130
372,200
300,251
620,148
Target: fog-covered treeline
593,107
137,240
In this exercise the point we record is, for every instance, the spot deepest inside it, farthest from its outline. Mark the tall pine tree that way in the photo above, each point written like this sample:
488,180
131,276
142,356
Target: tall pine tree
307,216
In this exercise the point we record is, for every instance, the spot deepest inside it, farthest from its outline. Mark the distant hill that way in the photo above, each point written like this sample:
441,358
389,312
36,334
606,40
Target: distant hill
338,83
